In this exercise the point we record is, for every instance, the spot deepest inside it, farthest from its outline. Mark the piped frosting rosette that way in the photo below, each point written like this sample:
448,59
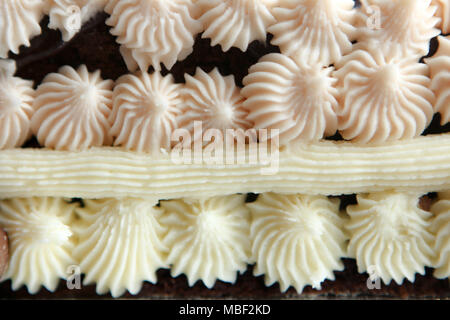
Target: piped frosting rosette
69,15
119,244
318,31
390,236
441,228
235,23
213,100
208,239
72,109
297,99
19,22
145,111
382,98
439,65
297,240
16,99
153,32
398,28
41,241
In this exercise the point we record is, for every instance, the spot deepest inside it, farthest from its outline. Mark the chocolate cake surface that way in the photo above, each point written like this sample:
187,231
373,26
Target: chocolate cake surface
97,48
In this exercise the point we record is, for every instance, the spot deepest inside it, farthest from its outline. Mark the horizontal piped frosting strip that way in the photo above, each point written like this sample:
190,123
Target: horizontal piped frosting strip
329,168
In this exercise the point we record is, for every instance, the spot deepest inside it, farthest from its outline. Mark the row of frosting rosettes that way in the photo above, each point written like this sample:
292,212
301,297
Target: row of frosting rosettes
368,98
294,240
155,32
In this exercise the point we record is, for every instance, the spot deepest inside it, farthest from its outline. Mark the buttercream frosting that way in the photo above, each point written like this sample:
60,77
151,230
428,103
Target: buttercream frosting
16,98
382,97
119,244
208,239
390,236
40,241
322,167
72,109
19,22
69,15
400,28
235,23
297,240
440,78
153,32
314,31
214,100
441,228
297,99
145,111
443,13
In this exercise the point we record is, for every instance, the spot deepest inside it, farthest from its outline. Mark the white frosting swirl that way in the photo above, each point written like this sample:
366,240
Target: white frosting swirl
383,98
441,227
16,98
119,244
318,31
298,99
390,236
443,13
207,239
214,100
298,240
153,32
398,28
40,241
72,109
68,15
145,111
235,23
440,78
19,22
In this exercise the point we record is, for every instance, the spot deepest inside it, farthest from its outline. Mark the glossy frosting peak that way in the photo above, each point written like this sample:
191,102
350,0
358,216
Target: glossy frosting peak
16,99
145,111
235,23
390,236
382,98
208,239
296,98
297,240
72,109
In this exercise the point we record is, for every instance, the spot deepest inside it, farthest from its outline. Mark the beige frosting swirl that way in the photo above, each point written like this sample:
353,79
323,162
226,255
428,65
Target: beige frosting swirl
19,22
72,109
443,13
235,23
297,240
440,78
68,15
145,111
298,99
214,100
208,239
119,244
16,98
390,236
318,31
153,32
383,98
41,241
441,227
398,28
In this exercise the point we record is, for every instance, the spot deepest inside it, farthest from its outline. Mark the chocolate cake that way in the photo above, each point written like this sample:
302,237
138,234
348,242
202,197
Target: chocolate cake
95,47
